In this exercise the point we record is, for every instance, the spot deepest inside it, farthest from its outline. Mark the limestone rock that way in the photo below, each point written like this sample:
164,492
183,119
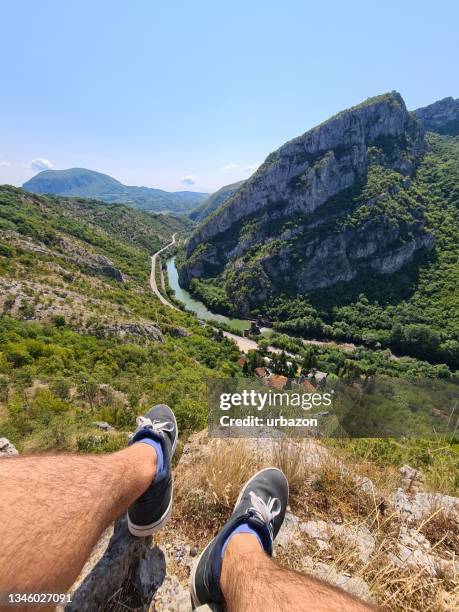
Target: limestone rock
7,448
104,266
288,530
352,584
412,479
414,550
292,188
104,426
358,537
171,597
421,504
177,331
117,558
145,330
98,264
441,116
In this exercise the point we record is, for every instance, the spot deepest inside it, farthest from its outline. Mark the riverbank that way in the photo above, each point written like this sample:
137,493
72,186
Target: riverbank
239,325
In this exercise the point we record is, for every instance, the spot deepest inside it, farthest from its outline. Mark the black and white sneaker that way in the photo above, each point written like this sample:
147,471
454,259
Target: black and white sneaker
153,509
261,504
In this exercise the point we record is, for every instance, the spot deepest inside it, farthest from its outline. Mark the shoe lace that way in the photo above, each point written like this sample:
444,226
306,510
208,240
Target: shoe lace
156,425
265,511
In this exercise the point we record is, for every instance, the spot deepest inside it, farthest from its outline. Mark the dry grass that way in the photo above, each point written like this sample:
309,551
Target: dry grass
208,485
207,488
442,530
289,457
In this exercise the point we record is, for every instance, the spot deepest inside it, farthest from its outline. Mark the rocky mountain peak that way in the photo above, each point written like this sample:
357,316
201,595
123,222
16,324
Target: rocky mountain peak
441,116
291,203
306,171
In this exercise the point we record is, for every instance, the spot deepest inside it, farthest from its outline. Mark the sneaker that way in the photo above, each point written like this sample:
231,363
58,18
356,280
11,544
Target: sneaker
261,504
153,509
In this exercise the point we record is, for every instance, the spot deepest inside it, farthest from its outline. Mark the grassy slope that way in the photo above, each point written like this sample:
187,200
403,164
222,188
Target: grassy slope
54,353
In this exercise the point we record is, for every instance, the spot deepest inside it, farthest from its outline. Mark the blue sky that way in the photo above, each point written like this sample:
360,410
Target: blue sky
155,92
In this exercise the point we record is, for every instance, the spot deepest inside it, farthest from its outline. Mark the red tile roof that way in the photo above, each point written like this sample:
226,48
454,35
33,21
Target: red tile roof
307,386
261,372
277,381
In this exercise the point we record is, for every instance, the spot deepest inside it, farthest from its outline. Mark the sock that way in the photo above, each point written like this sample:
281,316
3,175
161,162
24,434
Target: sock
244,528
160,467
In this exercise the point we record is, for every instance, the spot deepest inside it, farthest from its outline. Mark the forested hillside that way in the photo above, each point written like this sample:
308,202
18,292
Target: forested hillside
416,310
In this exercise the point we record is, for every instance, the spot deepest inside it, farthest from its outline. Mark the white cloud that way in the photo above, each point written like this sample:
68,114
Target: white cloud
190,179
251,168
230,167
4,164
40,164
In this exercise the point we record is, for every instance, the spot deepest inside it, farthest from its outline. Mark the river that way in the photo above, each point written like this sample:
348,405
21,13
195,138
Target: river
194,305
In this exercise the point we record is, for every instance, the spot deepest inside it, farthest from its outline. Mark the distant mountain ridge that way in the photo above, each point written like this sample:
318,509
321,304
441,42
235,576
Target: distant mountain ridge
212,202
85,183
441,117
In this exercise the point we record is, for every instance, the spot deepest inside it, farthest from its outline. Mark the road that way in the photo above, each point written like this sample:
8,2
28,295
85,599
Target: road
246,344
153,285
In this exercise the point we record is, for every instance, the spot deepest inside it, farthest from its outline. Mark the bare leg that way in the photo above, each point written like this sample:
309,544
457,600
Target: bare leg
53,510
250,580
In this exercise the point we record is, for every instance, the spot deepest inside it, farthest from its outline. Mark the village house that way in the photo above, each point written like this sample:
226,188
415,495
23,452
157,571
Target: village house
242,361
277,381
261,373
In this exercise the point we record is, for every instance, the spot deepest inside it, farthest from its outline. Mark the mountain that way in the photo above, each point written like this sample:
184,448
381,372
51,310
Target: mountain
349,232
441,116
214,201
289,209
90,184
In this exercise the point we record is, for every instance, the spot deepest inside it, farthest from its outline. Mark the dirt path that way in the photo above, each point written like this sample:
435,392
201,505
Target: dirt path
153,285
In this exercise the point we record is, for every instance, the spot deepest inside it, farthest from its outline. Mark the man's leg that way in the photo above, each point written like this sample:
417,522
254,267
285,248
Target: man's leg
236,567
53,510
251,580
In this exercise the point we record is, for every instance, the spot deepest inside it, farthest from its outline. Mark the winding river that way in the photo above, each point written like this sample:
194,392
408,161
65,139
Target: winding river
245,344
194,305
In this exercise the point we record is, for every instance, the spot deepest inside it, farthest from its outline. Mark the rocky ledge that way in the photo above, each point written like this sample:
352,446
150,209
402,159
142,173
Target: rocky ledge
372,555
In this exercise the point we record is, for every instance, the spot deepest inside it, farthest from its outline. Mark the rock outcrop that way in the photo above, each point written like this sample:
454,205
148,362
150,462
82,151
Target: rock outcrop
119,561
141,330
92,262
7,448
441,116
282,227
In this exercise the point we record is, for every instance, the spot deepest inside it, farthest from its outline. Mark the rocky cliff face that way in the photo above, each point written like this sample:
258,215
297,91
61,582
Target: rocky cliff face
441,116
282,226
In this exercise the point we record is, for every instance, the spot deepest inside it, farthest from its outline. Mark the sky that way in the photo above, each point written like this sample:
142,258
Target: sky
194,95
